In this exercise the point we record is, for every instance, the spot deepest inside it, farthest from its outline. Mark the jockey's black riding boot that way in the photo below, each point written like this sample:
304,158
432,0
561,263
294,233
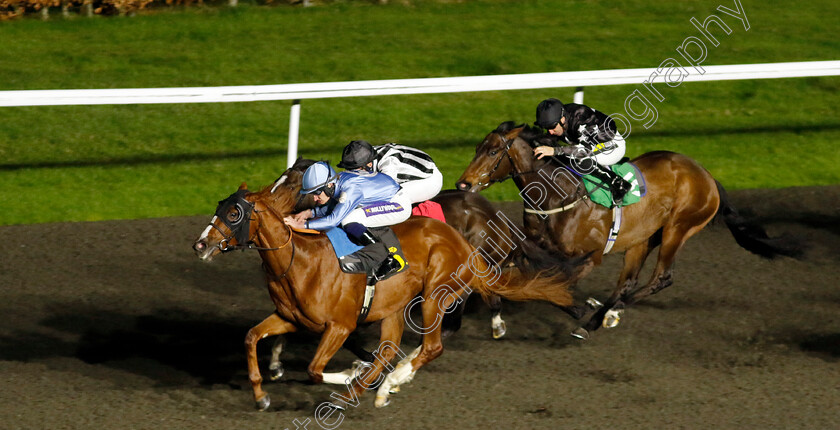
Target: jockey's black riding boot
618,186
392,264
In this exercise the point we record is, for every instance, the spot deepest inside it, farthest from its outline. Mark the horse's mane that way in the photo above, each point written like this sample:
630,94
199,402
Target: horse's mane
506,127
534,136
283,194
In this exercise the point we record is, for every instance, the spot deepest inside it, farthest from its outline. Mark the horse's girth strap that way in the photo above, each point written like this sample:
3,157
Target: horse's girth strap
368,301
614,229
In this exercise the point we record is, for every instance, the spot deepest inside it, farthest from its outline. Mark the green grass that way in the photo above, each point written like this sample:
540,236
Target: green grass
80,163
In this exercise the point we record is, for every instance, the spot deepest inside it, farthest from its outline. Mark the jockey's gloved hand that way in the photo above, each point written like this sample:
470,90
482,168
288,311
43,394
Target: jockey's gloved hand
565,150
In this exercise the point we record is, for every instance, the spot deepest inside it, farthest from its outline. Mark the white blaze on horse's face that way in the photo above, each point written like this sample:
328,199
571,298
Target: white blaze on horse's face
208,229
204,246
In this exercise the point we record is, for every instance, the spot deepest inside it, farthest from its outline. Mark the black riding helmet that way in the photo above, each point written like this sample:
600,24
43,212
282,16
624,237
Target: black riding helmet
357,154
549,112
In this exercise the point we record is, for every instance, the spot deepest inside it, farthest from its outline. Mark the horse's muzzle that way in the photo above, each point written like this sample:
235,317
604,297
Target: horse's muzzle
463,185
202,250
199,246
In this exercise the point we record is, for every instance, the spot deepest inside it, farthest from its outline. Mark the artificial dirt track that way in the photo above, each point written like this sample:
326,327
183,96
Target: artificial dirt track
118,325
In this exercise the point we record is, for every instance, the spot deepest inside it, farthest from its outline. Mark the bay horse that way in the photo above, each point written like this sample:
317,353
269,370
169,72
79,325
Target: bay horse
682,197
310,291
503,244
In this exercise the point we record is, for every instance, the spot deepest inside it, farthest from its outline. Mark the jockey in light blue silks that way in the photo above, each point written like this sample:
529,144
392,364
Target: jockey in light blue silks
355,201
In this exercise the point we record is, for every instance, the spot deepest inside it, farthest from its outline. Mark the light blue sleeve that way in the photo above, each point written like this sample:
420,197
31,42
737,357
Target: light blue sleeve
351,198
319,211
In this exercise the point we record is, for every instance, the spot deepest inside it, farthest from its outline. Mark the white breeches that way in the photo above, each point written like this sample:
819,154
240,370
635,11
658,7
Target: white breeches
609,153
395,212
421,190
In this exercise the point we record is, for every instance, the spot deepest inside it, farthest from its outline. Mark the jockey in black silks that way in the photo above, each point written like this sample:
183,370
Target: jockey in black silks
590,134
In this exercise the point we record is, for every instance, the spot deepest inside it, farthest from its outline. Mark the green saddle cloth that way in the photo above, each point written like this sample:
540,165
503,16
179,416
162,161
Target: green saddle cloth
600,192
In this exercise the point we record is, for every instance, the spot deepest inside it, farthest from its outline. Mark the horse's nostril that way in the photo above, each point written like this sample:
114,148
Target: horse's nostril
199,246
462,185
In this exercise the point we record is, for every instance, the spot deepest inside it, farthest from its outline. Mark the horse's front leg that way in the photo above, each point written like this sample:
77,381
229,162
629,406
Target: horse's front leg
354,345
331,340
273,325
610,313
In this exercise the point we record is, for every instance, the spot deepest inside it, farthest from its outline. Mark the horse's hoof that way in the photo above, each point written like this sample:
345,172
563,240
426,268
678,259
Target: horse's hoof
594,303
499,330
394,390
580,333
382,401
275,373
612,318
264,403
336,407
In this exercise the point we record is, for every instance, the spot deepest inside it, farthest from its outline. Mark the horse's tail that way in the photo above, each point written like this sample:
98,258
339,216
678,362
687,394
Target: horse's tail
533,259
518,285
752,237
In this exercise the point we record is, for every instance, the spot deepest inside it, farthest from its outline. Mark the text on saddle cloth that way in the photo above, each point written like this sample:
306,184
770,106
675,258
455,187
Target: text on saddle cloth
379,208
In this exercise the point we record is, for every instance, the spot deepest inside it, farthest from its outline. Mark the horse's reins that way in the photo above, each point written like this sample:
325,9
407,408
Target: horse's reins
514,174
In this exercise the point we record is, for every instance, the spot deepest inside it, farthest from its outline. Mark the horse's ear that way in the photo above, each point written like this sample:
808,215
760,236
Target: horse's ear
514,132
504,127
244,186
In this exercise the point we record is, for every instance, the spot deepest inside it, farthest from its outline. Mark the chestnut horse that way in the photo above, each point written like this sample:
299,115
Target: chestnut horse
502,243
311,292
682,197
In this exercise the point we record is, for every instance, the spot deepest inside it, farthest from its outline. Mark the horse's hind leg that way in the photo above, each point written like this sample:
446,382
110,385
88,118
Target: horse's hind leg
275,367
431,348
496,322
273,325
673,238
369,375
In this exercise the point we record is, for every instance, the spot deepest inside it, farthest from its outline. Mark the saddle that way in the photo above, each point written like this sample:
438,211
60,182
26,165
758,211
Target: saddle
364,259
600,193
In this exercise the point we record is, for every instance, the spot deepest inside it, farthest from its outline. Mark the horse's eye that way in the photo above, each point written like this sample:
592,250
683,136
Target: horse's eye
494,152
233,215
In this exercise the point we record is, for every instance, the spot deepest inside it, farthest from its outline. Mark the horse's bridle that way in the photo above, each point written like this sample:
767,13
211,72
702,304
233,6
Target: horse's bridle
513,174
241,226
506,153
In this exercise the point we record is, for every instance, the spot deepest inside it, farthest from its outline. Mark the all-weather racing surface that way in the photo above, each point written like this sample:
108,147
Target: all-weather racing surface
117,325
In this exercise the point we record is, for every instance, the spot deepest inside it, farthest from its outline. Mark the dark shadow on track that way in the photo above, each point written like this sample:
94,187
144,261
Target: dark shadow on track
173,347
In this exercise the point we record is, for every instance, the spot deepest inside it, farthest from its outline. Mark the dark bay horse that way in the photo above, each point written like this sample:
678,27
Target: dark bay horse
310,291
682,197
502,243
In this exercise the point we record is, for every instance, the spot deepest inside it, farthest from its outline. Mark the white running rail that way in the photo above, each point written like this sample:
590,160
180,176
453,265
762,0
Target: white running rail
298,92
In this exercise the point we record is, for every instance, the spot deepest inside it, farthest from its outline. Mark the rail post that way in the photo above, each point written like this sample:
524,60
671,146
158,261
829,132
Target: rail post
294,127
579,95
